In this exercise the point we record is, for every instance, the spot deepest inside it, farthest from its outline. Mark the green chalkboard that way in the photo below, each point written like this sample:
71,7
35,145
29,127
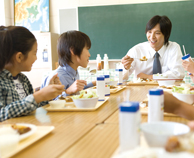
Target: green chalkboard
114,29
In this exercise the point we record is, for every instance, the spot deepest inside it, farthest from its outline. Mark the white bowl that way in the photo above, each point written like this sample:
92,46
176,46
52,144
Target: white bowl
188,98
157,133
57,104
85,102
113,83
166,82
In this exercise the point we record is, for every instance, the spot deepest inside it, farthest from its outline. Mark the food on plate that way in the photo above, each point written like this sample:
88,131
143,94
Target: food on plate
166,87
179,144
90,94
182,90
67,98
61,97
146,80
112,87
173,144
20,128
142,80
143,58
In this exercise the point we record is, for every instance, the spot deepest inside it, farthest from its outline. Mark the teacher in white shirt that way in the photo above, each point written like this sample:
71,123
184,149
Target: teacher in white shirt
163,55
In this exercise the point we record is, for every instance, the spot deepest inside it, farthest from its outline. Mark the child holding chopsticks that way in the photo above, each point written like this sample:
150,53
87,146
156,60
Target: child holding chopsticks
73,51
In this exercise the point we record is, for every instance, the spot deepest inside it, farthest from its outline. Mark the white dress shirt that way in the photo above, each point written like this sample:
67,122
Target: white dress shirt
170,59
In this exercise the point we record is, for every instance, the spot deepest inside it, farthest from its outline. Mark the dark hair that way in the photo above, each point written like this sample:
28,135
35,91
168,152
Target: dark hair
14,39
165,26
71,40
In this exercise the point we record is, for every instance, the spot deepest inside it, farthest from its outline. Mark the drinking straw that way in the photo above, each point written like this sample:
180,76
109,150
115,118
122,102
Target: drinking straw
184,50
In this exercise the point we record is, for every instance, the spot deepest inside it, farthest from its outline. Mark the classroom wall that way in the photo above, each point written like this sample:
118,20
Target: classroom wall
55,5
2,13
61,4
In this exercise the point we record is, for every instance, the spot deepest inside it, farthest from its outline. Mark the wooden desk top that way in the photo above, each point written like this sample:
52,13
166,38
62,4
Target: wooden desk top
82,134
102,141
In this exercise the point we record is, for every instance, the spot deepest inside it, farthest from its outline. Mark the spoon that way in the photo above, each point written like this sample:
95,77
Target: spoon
141,59
91,72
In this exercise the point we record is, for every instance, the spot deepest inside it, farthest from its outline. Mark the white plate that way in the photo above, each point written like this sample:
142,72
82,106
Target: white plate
25,135
159,152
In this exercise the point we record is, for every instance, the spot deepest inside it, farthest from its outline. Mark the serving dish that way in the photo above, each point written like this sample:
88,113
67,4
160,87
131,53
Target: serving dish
71,107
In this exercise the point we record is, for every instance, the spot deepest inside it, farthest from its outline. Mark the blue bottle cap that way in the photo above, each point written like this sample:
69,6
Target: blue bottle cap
106,76
118,69
129,106
186,56
156,92
100,78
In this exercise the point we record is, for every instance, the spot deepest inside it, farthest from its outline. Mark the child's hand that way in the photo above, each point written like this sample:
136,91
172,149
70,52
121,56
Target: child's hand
94,83
191,125
77,86
192,77
48,93
55,80
188,65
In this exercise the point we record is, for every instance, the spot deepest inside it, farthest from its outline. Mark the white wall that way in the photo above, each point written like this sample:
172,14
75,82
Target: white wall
9,12
2,13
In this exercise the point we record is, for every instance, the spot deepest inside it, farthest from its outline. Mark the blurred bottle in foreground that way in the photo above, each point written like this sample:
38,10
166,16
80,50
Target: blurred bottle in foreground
129,125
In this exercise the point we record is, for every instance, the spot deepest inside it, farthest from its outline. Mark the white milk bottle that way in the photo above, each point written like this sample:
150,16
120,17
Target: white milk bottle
100,84
107,85
155,105
129,125
119,76
186,57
